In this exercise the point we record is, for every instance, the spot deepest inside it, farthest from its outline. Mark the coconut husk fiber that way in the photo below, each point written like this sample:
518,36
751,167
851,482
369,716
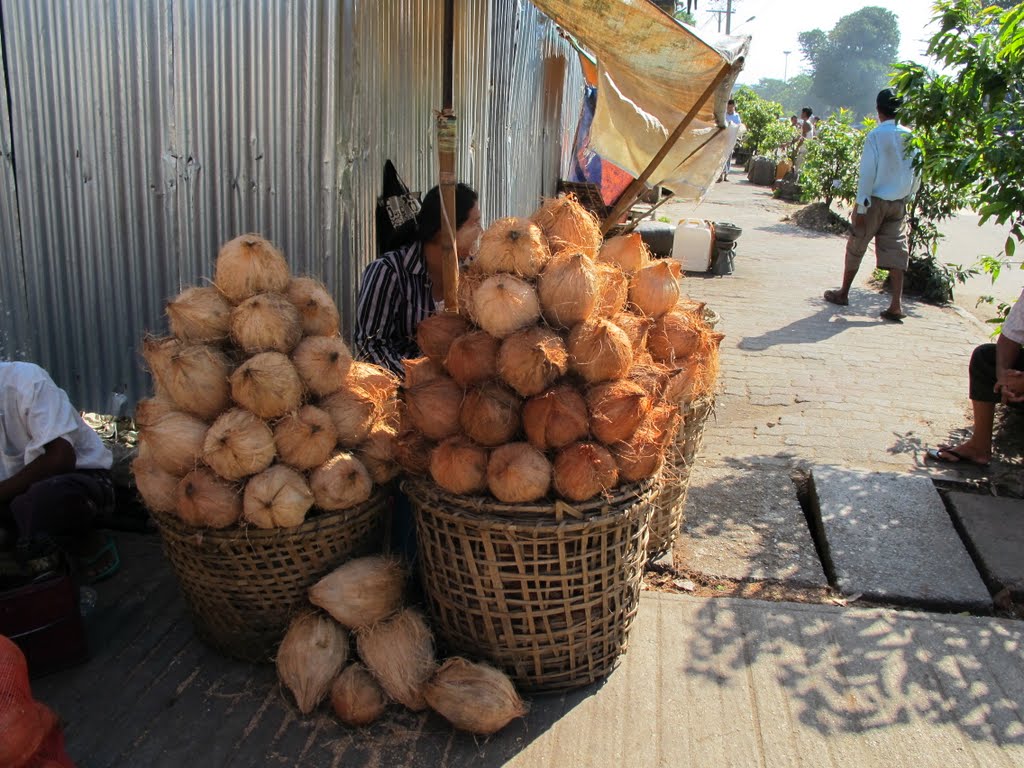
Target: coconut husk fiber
310,657
357,698
399,653
473,697
361,592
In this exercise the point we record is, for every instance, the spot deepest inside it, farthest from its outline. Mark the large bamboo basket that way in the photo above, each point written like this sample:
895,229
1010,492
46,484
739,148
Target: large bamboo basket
242,585
670,503
547,591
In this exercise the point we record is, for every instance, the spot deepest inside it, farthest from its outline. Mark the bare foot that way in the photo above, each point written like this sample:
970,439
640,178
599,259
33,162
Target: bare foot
966,451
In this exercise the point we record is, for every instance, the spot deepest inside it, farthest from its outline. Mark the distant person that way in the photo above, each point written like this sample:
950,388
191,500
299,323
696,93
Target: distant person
996,375
54,471
887,181
732,117
807,123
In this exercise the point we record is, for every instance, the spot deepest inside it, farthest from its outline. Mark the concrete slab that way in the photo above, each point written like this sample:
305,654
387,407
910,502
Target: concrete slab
889,537
744,522
995,529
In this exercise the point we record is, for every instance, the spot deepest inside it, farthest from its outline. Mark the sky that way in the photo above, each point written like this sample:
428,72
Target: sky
777,23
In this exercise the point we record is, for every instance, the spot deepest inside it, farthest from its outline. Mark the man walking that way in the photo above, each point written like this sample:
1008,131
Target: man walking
887,182
732,117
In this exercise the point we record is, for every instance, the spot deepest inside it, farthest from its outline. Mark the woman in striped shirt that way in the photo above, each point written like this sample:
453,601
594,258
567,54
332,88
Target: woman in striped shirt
405,285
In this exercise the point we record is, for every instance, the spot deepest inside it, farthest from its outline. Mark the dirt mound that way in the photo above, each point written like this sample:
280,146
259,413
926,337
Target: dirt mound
820,218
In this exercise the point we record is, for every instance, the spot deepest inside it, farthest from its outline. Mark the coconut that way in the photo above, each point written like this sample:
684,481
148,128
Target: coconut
628,252
490,414
568,226
473,697
399,653
674,337
420,370
644,453
599,350
206,501
199,315
637,328
651,376
150,410
278,497
156,487
341,482
318,313
583,470
238,444
473,358
323,363
361,592
612,290
531,360
311,655
266,322
469,281
512,245
617,408
194,376
555,418
248,265
459,465
353,414
175,441
356,697
433,408
377,453
503,304
436,333
306,438
377,383
568,289
268,385
518,473
654,290
412,450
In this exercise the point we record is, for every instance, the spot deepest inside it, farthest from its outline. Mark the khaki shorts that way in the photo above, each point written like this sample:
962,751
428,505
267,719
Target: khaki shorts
886,223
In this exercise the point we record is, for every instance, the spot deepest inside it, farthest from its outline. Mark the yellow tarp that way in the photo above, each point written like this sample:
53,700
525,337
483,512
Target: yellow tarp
651,71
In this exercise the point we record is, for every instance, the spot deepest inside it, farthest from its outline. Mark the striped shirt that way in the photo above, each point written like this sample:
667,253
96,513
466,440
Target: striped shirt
395,295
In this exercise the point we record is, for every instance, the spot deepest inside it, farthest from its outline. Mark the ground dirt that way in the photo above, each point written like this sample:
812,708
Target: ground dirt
818,217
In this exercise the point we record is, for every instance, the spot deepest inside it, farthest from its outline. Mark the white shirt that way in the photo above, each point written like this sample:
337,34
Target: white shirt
1013,326
886,168
33,412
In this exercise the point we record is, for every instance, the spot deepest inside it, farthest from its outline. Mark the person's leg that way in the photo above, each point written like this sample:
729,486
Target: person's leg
856,246
65,505
892,252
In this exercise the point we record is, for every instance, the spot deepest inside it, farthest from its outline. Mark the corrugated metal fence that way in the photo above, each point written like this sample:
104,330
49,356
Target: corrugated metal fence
137,137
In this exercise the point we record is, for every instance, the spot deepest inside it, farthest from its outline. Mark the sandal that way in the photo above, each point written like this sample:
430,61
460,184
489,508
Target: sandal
942,456
833,297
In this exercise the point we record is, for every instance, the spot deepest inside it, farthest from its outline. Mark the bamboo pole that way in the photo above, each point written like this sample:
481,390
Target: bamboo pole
447,144
633,191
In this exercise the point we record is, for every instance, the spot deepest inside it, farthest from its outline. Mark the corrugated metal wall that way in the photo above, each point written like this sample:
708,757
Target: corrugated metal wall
142,135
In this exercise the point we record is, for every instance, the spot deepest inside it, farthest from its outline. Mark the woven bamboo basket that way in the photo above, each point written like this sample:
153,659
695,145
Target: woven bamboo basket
243,584
547,592
670,503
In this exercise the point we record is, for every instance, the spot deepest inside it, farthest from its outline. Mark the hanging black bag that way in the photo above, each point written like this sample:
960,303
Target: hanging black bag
396,210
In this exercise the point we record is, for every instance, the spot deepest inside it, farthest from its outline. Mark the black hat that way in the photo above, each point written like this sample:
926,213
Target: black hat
888,101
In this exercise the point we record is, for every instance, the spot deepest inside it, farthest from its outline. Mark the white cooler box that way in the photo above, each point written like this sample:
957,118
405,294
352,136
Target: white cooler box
692,244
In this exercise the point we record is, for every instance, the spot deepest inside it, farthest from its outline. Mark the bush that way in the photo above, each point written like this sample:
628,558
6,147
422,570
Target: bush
832,165
767,131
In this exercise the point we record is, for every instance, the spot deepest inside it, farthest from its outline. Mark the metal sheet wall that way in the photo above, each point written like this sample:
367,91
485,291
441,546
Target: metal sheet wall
145,134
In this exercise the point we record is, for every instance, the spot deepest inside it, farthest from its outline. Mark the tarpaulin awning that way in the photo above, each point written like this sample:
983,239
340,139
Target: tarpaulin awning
651,71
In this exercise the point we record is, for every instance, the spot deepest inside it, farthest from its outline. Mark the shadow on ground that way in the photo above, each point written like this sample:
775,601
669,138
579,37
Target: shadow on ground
827,321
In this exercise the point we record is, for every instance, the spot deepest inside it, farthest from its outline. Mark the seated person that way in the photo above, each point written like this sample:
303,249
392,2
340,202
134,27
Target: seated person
405,285
54,471
996,374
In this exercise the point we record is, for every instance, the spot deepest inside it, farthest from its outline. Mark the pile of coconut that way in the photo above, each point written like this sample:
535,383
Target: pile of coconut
363,600
564,372
259,412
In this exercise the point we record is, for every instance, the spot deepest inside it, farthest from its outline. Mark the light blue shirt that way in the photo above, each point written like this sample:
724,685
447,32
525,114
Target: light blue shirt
733,118
886,167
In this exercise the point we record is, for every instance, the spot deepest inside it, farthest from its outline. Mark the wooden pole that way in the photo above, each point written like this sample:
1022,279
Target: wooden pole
447,144
633,191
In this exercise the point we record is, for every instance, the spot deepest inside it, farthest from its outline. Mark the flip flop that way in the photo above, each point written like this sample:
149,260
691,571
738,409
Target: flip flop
941,455
892,317
832,297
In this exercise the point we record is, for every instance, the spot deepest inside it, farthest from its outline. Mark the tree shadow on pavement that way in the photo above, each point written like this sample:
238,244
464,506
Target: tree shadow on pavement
825,323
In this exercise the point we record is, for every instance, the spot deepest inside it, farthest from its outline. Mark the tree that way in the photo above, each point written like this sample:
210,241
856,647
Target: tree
767,128
830,170
792,94
851,63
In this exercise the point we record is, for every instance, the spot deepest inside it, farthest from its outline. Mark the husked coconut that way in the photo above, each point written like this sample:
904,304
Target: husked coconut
306,438
266,322
420,370
268,385
568,289
361,592
194,376
568,226
518,473
583,470
399,652
247,265
311,656
674,337
238,444
175,441
654,290
433,408
555,418
643,454
473,697
278,497
513,245
199,315
599,351
473,358
317,311
353,413
628,252
612,290
490,414
531,360
459,465
377,452
502,304
342,482
617,408
156,487
323,363
149,410
435,334
357,698
206,501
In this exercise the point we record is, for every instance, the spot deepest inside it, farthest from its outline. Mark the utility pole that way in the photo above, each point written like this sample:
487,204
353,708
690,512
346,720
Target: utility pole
728,17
